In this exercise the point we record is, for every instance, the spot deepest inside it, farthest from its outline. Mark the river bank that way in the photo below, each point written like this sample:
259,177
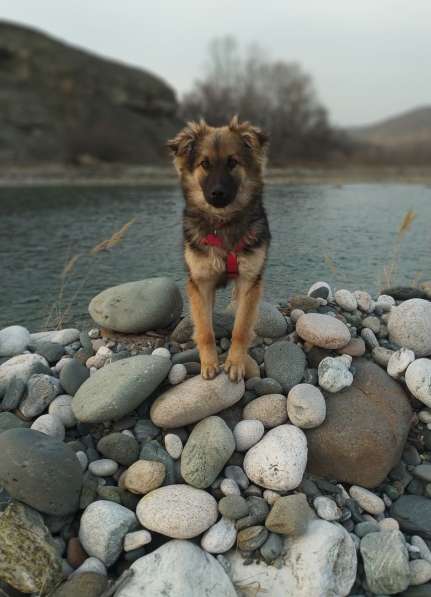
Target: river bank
311,477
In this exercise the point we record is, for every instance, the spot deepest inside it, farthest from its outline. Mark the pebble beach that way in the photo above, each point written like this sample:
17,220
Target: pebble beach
123,472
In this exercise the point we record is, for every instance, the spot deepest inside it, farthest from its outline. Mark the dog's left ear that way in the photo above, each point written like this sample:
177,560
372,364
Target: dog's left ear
252,136
183,144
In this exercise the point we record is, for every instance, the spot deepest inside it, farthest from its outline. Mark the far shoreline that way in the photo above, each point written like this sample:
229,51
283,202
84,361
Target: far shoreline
136,175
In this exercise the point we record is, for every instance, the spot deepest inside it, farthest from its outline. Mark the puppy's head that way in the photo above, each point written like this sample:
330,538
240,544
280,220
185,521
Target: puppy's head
219,167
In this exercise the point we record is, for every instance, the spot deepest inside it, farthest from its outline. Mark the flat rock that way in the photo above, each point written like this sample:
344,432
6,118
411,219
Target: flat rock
386,562
177,569
285,362
21,367
177,511
290,515
63,337
323,331
13,340
413,513
41,391
29,559
136,307
269,409
119,388
194,400
278,461
208,448
40,471
365,429
270,322
143,476
405,293
409,326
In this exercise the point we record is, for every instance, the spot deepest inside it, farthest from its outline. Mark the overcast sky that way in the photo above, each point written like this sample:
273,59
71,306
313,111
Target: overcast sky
369,58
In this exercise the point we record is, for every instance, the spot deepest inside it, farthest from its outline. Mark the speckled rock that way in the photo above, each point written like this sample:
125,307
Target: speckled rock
178,511
285,362
84,584
290,515
21,367
334,375
346,300
49,425
173,445
61,407
144,476
119,388
386,562
120,447
270,322
269,409
323,330
306,406
29,560
195,399
220,537
368,500
13,340
410,326
418,380
137,307
41,391
208,448
63,337
73,375
177,374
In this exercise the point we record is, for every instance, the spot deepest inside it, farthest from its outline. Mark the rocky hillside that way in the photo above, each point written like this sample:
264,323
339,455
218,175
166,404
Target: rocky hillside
61,104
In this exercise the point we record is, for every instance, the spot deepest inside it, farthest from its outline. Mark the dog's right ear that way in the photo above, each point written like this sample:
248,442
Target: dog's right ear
183,144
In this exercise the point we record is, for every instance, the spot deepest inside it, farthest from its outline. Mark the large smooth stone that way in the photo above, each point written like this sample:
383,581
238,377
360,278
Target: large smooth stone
21,367
177,569
137,307
270,322
63,337
418,380
103,526
269,409
323,330
285,362
13,340
278,461
365,429
413,513
40,471
194,400
208,448
386,562
177,511
409,326
11,421
29,559
320,563
118,388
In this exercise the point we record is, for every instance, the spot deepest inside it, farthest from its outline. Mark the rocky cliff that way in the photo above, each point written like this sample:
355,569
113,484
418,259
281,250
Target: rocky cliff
61,104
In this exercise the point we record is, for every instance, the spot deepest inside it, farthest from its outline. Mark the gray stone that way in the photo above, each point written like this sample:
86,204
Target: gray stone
73,375
194,400
63,337
137,307
346,300
272,547
49,478
366,527
418,376
119,388
13,340
21,367
102,530
258,511
420,572
41,391
236,473
61,407
413,513
410,326
10,421
270,322
145,430
306,406
120,447
269,410
285,362
326,508
386,562
423,472
49,425
247,434
84,584
152,450
104,467
186,356
233,507
290,515
13,395
266,385
52,351
220,537
177,569
208,448
177,374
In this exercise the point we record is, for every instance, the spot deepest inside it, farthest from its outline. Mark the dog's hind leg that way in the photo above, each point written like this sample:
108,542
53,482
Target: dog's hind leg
201,296
248,294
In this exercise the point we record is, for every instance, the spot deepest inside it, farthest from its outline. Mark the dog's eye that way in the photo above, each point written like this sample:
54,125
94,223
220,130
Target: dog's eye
232,162
205,164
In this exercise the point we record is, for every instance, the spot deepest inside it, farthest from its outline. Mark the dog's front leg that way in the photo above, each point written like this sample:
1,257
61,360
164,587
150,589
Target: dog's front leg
201,296
247,296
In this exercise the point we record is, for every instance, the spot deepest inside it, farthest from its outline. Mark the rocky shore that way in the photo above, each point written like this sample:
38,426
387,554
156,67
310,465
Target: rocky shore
123,472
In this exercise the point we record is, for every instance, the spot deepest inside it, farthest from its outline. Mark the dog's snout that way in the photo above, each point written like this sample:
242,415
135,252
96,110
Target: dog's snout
218,193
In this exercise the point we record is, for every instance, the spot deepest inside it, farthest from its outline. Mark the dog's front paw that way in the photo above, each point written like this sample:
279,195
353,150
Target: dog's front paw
235,368
209,369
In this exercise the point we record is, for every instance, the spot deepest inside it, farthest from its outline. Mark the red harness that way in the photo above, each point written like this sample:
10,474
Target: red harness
213,240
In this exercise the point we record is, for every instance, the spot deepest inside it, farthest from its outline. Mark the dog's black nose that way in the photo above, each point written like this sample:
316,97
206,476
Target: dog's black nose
218,193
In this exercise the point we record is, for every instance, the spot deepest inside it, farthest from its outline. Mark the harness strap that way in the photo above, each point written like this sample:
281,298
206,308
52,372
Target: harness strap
232,269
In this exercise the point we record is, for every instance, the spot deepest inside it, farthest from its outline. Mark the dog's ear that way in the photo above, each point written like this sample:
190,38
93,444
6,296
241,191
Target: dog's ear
252,136
183,144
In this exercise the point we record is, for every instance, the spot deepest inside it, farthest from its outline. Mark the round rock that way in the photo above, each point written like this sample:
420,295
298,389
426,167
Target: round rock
269,409
41,391
410,326
346,300
40,471
177,511
334,374
220,537
278,461
122,448
177,374
72,376
21,367
136,307
61,407
13,340
399,362
369,501
49,425
173,445
285,362
144,476
418,380
247,434
306,406
270,322
323,331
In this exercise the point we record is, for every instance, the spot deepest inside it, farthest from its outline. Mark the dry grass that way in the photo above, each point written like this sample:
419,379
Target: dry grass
70,288
391,269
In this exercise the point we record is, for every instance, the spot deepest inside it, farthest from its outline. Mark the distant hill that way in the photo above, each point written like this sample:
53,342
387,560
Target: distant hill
406,137
62,104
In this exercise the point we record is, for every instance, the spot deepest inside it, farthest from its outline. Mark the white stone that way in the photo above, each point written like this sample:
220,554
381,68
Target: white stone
369,501
306,406
364,300
247,433
229,487
418,380
399,362
177,569
386,302
220,537
83,459
173,445
13,340
425,416
92,564
323,330
346,300
270,496
420,572
333,374
177,511
22,367
162,352
103,526
278,461
323,285
320,563
100,359
177,374
389,524
326,508
136,540
270,409
49,425
424,550
104,467
296,314
61,407
410,326
63,337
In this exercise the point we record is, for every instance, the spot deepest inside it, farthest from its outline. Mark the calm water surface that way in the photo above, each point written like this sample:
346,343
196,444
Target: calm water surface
344,235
